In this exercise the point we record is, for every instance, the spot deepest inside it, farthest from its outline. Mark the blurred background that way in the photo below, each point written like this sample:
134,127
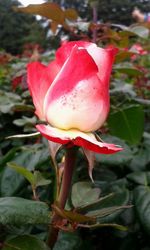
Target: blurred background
33,33
17,29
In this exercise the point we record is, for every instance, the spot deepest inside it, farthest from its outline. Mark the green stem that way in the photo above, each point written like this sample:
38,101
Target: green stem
70,158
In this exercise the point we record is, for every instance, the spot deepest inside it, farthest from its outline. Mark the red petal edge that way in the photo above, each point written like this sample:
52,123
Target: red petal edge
83,140
39,79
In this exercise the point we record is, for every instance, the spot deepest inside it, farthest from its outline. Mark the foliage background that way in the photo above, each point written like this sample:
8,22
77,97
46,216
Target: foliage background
126,174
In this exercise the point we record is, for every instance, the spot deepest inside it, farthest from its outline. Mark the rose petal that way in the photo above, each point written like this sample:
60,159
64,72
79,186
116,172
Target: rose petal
103,57
39,79
77,98
78,138
79,66
65,50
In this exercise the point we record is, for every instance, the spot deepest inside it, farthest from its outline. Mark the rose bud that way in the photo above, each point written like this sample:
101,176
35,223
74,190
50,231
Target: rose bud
71,94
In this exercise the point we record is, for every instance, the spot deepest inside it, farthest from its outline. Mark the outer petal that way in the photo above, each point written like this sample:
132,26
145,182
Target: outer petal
77,66
103,57
77,98
39,79
78,138
65,50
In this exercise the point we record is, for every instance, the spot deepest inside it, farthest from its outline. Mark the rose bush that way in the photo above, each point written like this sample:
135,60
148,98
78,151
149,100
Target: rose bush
71,94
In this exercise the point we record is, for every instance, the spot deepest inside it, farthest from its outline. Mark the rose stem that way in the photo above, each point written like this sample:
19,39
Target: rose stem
95,22
70,158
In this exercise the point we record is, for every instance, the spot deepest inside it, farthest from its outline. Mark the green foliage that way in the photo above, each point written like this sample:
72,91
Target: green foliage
121,158
69,241
130,71
120,12
116,204
19,211
141,31
84,194
128,123
107,208
35,179
142,203
30,158
140,178
25,242
18,28
114,11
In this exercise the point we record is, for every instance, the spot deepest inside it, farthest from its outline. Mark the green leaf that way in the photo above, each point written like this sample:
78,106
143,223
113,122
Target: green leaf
25,242
10,101
114,225
25,121
129,71
71,215
127,123
23,107
142,101
23,171
39,180
36,179
84,194
109,207
142,206
119,159
105,211
68,241
19,211
7,157
140,177
123,55
114,212
11,182
140,31
94,205
28,157
141,158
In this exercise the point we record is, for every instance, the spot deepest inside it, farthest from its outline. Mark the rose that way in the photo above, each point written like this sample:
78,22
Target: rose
72,95
137,49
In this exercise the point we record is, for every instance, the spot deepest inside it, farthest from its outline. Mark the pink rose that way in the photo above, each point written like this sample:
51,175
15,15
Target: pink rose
137,49
72,95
